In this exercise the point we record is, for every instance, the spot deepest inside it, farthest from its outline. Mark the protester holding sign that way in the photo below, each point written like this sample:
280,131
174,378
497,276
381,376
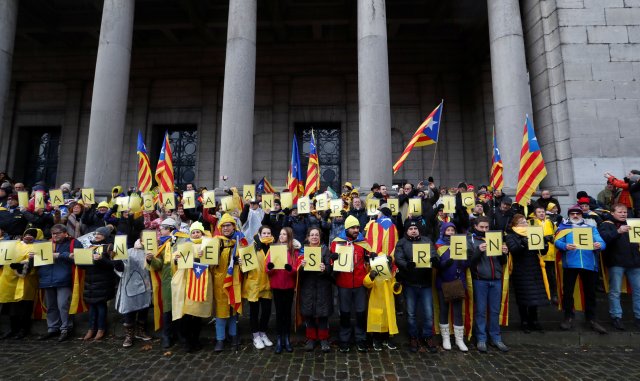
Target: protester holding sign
540,218
127,223
257,290
315,301
99,283
283,284
486,272
94,217
415,274
75,227
274,218
56,280
621,258
352,296
529,273
19,285
133,296
451,274
580,262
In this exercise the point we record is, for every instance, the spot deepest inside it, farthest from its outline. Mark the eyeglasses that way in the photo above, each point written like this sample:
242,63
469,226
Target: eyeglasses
575,213
56,233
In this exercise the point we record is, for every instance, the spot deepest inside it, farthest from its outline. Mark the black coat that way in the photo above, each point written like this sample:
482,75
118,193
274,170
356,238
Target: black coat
408,274
100,279
527,273
619,251
316,289
274,221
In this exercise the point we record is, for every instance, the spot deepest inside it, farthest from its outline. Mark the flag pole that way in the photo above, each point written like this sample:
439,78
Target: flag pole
435,151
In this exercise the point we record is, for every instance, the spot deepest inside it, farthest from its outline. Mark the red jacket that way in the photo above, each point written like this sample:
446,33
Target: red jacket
360,264
283,279
624,197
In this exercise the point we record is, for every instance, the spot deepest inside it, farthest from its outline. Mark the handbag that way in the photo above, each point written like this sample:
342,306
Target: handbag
453,290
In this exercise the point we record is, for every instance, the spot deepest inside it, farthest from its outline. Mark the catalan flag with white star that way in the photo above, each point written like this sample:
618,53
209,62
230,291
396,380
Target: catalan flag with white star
426,134
496,180
164,170
532,168
295,181
144,167
197,282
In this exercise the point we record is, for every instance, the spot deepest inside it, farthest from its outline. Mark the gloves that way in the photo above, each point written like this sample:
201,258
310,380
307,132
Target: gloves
548,238
389,259
372,256
335,256
411,265
344,213
270,266
448,263
430,179
435,263
288,267
286,211
373,274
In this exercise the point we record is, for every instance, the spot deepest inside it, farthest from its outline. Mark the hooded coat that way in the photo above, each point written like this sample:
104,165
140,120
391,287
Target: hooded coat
381,314
134,289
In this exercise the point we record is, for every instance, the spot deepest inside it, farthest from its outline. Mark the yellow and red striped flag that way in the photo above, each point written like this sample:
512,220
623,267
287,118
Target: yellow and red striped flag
295,181
164,170
496,180
426,134
313,169
197,285
532,169
144,167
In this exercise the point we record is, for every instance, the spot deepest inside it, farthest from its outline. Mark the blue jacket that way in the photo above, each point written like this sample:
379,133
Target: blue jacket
578,259
59,273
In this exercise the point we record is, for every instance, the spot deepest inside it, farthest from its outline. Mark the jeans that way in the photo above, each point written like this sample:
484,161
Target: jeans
589,280
353,300
419,299
98,316
58,300
139,316
221,326
615,285
487,294
444,310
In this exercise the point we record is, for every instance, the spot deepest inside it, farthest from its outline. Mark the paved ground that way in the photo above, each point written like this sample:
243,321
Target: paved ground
33,360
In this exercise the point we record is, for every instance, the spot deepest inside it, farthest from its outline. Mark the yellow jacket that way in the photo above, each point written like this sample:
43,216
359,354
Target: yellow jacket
14,288
180,303
220,294
256,282
548,229
381,316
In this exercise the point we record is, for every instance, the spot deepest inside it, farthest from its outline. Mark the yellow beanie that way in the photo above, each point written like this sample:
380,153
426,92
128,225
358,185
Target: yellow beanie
350,222
196,226
226,219
550,206
103,204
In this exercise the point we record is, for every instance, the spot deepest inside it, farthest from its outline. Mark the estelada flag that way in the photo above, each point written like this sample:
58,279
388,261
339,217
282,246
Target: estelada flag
144,167
164,170
532,168
426,134
197,282
382,236
295,180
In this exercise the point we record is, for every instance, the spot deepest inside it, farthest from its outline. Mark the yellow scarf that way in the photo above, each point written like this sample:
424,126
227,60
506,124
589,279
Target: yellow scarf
267,240
520,230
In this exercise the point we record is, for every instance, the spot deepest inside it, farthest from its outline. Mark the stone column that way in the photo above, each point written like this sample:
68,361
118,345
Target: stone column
374,111
510,81
109,101
8,20
236,136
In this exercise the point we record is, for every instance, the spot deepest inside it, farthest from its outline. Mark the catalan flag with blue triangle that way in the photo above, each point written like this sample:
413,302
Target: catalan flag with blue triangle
313,170
144,167
532,168
164,170
426,134
496,180
295,180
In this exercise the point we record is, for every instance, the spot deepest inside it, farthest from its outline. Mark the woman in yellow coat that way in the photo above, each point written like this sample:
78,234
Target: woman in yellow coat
549,230
381,316
19,286
257,290
192,296
226,283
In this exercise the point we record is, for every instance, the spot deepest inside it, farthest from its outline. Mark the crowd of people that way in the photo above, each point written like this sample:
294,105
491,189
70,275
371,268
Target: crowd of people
366,262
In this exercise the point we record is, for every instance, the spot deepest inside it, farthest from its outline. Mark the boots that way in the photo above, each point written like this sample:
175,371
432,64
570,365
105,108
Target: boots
287,344
128,336
278,348
446,336
140,332
235,342
458,331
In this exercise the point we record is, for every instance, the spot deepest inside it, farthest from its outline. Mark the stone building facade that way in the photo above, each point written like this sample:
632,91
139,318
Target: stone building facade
233,80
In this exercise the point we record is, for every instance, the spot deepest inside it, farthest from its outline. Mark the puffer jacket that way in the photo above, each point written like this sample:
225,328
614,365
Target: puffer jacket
59,273
483,267
99,278
577,259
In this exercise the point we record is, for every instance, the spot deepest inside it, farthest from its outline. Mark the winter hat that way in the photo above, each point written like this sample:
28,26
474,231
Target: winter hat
169,222
583,200
196,226
348,185
384,209
410,224
104,231
38,188
226,219
581,194
634,178
375,186
575,208
350,222
13,197
31,231
66,186
550,206
103,204
462,185
6,185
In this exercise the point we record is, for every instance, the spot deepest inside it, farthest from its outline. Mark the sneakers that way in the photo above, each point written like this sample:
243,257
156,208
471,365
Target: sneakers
377,346
500,345
64,336
344,347
597,327
128,337
141,334
617,323
257,341
566,324
414,345
265,340
361,346
310,344
390,344
324,346
482,346
430,345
